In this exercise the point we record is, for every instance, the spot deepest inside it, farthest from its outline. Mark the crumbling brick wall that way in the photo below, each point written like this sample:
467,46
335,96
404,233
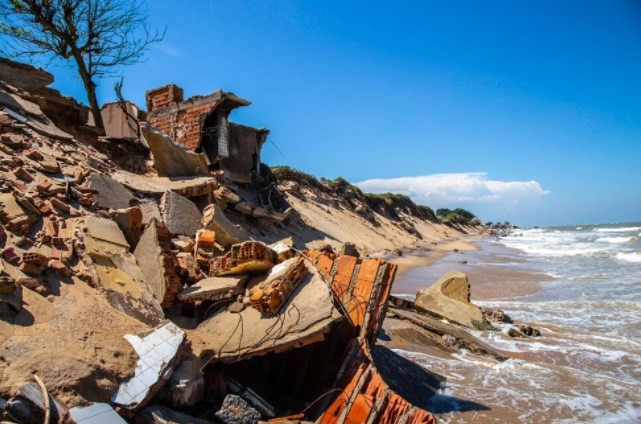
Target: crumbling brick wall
164,96
182,123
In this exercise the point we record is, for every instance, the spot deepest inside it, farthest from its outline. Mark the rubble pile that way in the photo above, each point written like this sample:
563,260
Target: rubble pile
136,298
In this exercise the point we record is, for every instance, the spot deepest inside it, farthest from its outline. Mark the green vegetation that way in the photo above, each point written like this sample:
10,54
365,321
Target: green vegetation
456,216
389,205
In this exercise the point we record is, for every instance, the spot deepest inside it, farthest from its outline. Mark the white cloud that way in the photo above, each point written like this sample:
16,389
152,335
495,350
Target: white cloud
470,189
168,49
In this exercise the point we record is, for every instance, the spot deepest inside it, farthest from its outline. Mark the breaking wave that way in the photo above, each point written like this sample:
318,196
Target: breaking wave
616,240
629,257
617,229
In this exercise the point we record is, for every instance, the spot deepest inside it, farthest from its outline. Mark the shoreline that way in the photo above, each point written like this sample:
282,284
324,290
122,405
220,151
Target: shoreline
495,271
424,256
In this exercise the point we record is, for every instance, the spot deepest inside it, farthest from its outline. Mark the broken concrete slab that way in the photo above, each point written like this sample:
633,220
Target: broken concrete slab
96,413
159,352
104,253
106,230
236,411
119,124
149,210
180,214
24,76
185,186
306,315
226,233
109,193
449,298
152,259
170,158
452,335
214,288
130,222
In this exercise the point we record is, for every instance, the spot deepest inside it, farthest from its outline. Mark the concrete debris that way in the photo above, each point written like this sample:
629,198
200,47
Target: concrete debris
27,406
109,193
172,159
449,298
180,214
23,76
159,351
109,265
214,288
226,232
250,396
130,222
185,186
236,411
158,414
246,257
104,230
96,413
186,387
307,315
91,250
271,294
10,294
119,124
158,265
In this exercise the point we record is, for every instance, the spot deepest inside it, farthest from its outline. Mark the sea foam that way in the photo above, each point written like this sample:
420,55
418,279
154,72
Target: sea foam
629,256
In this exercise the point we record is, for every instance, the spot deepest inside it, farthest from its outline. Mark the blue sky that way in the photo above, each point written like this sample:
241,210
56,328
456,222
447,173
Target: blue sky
527,111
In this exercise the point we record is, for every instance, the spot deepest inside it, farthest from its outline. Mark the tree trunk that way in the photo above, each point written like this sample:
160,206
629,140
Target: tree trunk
90,88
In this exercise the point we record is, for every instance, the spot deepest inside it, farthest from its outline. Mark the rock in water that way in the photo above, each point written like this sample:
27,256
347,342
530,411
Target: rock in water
449,298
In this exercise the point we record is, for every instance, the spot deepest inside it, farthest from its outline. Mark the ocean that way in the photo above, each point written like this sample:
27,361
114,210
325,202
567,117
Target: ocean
586,367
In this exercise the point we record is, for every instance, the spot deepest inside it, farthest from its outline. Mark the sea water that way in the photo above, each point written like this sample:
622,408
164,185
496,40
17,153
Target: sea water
586,367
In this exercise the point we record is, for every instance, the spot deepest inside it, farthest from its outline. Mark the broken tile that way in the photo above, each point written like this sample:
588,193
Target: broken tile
96,413
159,351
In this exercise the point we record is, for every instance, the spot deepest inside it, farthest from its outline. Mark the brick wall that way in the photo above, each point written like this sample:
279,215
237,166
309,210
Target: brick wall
163,96
183,126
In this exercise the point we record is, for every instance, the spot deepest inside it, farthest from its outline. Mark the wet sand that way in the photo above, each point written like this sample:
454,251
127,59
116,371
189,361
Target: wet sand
495,272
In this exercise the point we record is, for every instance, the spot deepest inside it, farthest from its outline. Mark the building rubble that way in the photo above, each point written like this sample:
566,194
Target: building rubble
144,299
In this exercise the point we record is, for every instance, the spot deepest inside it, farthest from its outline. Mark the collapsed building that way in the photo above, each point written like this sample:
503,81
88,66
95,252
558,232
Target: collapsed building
136,296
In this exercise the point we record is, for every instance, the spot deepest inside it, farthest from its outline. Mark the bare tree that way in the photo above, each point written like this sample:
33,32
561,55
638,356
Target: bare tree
100,36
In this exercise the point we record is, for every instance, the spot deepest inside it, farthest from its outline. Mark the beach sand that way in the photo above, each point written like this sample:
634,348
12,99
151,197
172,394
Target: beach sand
488,268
